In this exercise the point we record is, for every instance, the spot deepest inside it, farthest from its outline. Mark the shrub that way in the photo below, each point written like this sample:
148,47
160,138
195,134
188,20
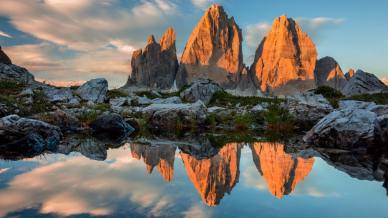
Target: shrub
116,93
279,120
223,99
331,94
8,87
88,116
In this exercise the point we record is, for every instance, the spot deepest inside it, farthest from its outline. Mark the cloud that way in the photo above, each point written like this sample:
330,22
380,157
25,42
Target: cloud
3,34
254,33
203,3
316,27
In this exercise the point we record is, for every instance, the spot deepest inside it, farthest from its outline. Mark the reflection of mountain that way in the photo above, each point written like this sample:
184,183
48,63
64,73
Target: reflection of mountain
214,176
161,156
281,171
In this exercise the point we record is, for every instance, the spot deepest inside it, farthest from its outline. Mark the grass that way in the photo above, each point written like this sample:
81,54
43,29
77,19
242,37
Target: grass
331,94
87,117
278,120
10,87
378,98
148,94
224,99
218,141
116,93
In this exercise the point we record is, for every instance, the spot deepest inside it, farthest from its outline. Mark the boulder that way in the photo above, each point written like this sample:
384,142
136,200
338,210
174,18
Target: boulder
285,59
364,83
213,51
164,117
156,66
308,107
353,125
201,89
55,95
170,100
65,121
10,72
112,124
329,73
27,135
94,90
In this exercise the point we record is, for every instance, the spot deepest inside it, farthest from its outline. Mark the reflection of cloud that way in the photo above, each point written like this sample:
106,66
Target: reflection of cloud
3,170
78,185
196,211
253,179
3,34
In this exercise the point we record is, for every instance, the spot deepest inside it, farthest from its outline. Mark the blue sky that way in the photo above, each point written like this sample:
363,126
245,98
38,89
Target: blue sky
70,40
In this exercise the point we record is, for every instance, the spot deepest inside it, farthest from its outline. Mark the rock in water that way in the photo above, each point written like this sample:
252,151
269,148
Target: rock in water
4,59
201,89
27,135
156,66
94,90
112,124
213,50
328,73
364,83
286,56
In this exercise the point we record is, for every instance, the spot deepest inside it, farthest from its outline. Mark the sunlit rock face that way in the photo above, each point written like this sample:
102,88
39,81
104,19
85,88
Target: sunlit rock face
285,59
281,171
349,74
4,59
329,73
215,176
157,64
160,156
213,50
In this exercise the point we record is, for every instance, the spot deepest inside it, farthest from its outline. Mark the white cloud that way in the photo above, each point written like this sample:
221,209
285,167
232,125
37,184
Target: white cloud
316,26
254,33
203,3
4,34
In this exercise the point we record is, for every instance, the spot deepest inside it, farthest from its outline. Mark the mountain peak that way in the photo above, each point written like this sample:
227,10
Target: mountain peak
151,39
4,59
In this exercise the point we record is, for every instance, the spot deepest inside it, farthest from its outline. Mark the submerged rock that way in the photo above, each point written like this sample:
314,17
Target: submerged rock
94,90
29,135
201,89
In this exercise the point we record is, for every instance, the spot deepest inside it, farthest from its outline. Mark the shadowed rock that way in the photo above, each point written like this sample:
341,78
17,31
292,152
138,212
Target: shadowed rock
349,74
364,83
213,50
4,59
328,73
286,56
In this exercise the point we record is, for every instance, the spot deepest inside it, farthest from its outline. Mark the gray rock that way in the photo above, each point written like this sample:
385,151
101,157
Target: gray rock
55,95
364,83
92,149
65,121
171,100
23,134
15,73
94,90
112,124
119,102
329,73
201,89
26,92
4,59
215,109
308,107
258,108
354,125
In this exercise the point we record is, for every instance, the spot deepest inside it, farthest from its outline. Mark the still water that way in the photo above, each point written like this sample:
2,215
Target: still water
141,180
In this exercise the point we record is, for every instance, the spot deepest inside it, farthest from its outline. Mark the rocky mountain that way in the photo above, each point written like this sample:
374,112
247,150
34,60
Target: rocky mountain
4,59
349,74
329,73
364,83
385,81
213,51
285,59
157,64
281,171
215,176
161,157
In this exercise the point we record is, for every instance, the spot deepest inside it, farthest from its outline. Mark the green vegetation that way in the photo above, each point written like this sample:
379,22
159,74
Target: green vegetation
278,120
224,99
87,117
218,141
10,88
331,94
40,103
116,93
378,98
148,94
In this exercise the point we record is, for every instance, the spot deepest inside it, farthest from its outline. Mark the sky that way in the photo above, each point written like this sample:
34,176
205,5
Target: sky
76,40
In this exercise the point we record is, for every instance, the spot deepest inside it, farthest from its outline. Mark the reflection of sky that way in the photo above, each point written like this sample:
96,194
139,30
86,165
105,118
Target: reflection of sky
121,187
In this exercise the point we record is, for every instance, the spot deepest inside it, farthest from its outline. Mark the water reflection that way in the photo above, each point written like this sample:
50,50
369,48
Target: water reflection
122,181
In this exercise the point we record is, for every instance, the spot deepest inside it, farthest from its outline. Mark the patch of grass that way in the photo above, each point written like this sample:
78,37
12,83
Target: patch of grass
278,120
40,103
378,98
245,121
148,94
101,107
10,87
116,93
87,117
331,94
224,99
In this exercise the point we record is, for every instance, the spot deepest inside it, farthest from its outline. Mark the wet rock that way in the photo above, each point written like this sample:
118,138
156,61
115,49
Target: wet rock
28,135
364,83
112,124
201,89
92,149
94,90
308,107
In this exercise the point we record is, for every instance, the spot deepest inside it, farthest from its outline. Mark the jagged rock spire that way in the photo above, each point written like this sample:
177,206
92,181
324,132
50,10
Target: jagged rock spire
4,59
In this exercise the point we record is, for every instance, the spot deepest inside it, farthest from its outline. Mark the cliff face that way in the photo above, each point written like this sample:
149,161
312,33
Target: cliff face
213,50
215,176
4,59
157,64
364,83
281,171
329,73
286,56
160,156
